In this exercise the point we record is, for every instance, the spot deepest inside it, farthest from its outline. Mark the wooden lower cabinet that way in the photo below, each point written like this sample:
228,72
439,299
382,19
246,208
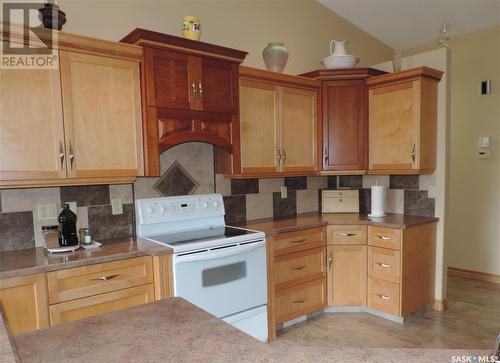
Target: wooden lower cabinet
296,275
24,301
100,304
346,275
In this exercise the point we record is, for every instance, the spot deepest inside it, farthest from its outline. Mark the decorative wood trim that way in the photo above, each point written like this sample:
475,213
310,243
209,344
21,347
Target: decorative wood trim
145,37
337,74
163,276
279,78
440,305
168,142
70,42
475,275
64,182
404,76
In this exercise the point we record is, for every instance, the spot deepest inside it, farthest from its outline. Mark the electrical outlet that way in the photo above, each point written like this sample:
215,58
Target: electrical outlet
431,191
484,154
116,206
46,211
284,192
73,206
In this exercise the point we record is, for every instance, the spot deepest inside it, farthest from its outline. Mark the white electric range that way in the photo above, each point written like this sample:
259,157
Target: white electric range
219,268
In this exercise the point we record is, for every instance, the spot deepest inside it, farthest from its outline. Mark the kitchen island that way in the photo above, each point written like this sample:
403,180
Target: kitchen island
173,330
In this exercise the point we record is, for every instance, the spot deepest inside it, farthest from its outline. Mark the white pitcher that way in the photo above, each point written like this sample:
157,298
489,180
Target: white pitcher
339,47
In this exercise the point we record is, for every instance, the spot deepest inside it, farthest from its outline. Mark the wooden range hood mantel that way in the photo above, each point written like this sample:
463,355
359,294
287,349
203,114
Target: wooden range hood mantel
190,93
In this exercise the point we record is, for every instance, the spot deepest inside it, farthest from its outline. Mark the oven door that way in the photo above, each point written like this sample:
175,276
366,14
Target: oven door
224,281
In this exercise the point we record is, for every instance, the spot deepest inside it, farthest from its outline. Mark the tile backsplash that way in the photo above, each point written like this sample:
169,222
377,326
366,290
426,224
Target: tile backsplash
20,226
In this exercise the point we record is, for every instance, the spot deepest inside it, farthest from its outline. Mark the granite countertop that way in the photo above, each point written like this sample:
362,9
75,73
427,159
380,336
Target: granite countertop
36,260
310,220
174,330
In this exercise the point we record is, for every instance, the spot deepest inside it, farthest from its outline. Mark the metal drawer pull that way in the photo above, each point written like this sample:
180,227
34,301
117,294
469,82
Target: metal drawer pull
381,264
299,268
298,240
200,87
330,260
347,234
193,88
385,238
104,278
300,301
384,297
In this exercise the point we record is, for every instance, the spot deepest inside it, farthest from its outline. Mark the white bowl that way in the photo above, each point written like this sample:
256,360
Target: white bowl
340,61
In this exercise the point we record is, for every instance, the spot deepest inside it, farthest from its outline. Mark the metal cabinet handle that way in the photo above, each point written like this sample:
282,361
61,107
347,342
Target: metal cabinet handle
71,155
385,238
284,157
384,297
325,155
298,240
104,278
347,234
381,264
279,159
300,268
61,154
300,301
330,260
193,88
413,153
200,88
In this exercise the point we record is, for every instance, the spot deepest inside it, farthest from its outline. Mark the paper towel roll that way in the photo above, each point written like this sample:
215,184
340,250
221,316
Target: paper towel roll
378,201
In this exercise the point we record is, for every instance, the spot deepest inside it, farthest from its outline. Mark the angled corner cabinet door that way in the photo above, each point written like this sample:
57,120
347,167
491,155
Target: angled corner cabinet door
31,125
403,121
101,102
279,122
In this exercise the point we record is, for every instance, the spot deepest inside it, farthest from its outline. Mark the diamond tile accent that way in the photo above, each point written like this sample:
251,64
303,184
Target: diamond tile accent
176,181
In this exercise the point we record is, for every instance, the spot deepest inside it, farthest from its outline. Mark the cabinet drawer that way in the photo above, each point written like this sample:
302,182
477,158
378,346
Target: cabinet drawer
300,300
347,193
297,241
383,296
384,237
79,282
100,304
299,267
346,235
384,264
340,205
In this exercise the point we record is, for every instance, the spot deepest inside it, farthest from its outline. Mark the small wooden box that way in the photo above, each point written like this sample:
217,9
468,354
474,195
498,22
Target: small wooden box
340,201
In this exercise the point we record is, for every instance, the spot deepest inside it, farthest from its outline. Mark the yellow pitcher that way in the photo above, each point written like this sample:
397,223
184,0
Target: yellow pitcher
191,28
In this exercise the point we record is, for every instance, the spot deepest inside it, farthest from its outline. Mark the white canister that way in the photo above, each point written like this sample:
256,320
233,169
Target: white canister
378,201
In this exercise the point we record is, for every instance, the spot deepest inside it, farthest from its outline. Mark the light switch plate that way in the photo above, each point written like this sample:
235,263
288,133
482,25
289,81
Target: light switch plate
73,206
484,142
284,192
116,206
46,211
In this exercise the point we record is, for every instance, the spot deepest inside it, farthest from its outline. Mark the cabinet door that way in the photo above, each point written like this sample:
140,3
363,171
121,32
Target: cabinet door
298,128
218,86
344,125
346,275
394,111
259,126
171,79
102,116
24,301
31,125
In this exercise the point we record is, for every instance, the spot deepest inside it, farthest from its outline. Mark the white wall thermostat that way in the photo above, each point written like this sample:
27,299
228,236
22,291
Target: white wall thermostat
484,141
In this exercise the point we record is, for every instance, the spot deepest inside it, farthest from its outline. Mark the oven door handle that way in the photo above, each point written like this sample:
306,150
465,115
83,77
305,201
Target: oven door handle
225,252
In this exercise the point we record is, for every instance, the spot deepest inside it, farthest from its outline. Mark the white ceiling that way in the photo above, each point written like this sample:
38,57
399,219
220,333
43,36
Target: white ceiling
403,24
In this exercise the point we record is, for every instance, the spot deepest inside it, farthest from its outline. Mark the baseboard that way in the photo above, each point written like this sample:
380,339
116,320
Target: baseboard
440,305
453,271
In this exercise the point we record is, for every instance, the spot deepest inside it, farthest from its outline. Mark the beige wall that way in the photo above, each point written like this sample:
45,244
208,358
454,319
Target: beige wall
473,209
305,26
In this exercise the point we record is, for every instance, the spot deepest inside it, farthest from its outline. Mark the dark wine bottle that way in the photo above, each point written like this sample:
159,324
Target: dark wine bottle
67,227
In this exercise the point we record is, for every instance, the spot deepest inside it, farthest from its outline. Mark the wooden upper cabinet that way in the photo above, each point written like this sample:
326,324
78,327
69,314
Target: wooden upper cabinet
101,102
345,118
403,121
190,93
279,122
31,127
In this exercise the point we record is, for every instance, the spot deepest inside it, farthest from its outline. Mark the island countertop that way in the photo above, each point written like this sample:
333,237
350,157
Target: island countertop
273,226
37,260
174,330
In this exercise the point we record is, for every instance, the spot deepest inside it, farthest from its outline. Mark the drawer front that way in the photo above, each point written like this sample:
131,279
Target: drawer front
297,241
347,193
299,267
79,282
384,264
340,205
346,235
100,304
384,237
383,296
300,300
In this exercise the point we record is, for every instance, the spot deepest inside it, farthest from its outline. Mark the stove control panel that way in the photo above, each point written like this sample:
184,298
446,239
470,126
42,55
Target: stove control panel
169,209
